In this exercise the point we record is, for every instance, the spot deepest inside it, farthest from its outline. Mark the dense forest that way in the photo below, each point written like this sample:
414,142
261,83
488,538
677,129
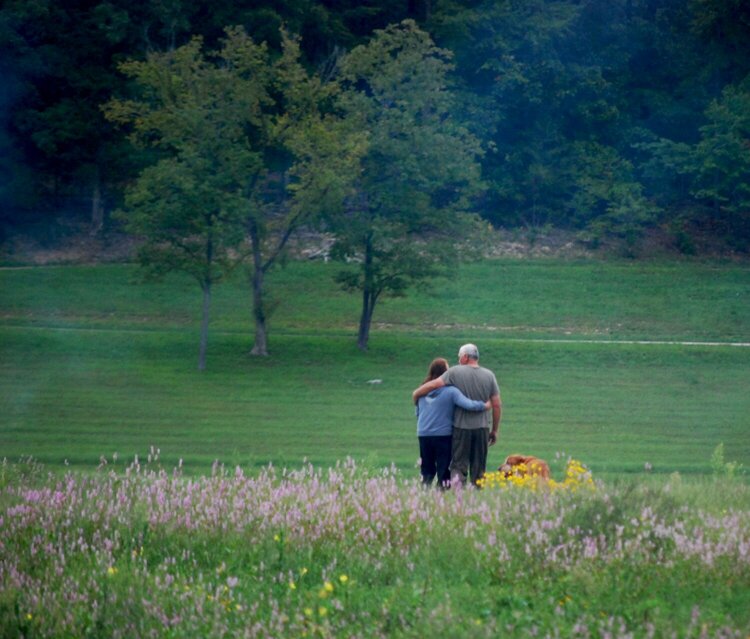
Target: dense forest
607,118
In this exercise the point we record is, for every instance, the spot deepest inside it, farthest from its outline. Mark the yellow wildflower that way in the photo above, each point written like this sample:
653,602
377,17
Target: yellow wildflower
292,585
576,476
322,611
308,612
326,590
343,579
111,571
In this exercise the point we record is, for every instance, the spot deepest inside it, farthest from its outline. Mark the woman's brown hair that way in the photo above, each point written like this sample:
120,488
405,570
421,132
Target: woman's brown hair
438,366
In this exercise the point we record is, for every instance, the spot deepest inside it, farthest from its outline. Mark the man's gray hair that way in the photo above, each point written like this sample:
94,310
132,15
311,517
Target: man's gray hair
470,350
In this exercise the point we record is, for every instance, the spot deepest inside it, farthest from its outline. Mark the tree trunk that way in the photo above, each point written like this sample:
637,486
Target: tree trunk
97,206
204,326
369,298
365,320
260,347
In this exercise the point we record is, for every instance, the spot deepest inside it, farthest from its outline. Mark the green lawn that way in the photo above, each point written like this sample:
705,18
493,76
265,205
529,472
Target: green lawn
627,300
95,364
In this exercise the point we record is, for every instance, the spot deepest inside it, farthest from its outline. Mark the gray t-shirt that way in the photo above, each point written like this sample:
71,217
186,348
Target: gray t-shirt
476,383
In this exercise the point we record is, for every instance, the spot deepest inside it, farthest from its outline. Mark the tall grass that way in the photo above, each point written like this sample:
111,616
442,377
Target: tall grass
142,551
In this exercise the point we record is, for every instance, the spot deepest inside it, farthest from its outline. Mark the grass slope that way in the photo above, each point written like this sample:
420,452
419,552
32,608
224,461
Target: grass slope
93,364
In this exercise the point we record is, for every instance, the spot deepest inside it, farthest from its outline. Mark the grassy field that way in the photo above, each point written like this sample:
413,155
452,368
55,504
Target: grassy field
628,300
95,364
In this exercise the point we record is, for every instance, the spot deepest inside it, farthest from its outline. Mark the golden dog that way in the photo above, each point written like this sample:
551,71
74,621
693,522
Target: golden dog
523,465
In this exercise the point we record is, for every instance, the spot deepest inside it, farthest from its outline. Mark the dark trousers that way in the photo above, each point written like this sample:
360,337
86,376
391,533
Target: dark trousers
436,458
469,454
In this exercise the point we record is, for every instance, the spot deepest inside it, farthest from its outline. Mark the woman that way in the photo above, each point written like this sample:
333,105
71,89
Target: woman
435,425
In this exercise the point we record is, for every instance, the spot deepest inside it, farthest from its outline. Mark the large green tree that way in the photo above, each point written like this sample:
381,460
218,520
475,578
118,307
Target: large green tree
415,175
60,159
239,168
540,82
720,163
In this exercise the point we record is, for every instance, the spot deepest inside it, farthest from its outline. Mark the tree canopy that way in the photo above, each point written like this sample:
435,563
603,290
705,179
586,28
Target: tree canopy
600,117
243,158
417,172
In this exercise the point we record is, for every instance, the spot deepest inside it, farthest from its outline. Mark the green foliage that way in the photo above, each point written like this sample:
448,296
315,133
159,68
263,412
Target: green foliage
510,60
716,169
58,65
563,93
246,158
189,206
721,468
608,199
724,26
417,171
722,162
536,81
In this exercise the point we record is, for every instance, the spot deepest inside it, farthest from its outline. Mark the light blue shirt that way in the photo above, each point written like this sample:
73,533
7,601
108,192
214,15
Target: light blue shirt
435,410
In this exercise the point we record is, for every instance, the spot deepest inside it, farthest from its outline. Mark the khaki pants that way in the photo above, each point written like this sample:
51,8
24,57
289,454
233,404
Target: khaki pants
469,453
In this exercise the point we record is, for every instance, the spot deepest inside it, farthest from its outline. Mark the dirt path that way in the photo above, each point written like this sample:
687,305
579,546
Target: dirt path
522,340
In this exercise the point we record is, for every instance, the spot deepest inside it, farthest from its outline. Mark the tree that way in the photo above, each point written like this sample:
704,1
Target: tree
720,162
308,159
61,61
185,206
723,27
509,60
607,198
60,65
236,174
715,171
415,175
548,84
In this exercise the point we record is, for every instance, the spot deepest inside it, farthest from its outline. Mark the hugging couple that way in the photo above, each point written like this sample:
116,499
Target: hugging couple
452,422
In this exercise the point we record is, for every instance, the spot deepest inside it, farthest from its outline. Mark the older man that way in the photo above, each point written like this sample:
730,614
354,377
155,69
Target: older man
470,437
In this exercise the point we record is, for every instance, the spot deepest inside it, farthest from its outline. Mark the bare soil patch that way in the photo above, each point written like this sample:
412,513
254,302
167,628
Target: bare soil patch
78,246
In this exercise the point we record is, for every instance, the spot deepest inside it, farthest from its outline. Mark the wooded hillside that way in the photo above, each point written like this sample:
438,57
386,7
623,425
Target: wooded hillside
605,118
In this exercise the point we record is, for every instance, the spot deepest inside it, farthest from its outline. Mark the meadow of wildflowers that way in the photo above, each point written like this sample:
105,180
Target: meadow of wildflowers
140,551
